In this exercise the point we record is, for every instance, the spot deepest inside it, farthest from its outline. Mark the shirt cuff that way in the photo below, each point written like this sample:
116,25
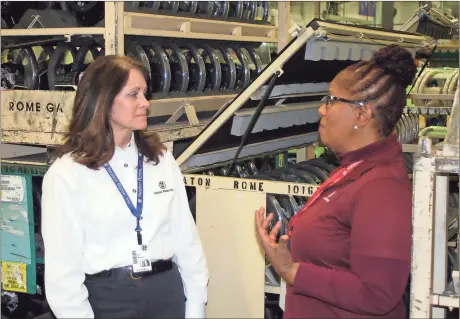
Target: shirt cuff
306,277
195,309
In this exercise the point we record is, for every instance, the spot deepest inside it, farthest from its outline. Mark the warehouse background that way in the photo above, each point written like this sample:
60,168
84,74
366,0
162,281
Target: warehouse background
228,99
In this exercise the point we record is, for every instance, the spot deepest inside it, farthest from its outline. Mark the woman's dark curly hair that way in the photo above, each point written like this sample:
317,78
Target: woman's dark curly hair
382,82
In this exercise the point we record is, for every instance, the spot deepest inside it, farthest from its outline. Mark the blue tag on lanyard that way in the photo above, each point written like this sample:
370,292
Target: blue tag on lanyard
136,211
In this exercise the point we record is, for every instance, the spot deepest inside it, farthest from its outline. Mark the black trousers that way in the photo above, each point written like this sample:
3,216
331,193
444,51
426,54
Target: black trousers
157,296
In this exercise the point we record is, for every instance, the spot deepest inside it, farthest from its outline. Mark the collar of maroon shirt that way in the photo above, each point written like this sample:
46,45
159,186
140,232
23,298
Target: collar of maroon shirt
385,150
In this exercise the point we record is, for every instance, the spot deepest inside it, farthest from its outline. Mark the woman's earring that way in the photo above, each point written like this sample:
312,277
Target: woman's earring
355,127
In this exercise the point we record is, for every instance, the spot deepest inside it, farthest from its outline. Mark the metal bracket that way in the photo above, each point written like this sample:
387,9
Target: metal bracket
296,30
425,146
189,110
36,18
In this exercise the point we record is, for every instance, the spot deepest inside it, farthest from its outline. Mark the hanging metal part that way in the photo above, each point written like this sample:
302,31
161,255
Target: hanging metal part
254,62
221,9
412,134
43,60
331,156
213,68
31,72
21,72
142,5
321,163
228,70
79,64
188,6
205,8
197,69
262,11
257,62
172,6
254,119
155,5
160,69
398,131
450,85
61,75
252,168
82,6
4,24
179,69
266,8
236,9
404,130
136,52
223,171
88,13
243,73
10,300
249,10
407,128
319,175
239,172
289,203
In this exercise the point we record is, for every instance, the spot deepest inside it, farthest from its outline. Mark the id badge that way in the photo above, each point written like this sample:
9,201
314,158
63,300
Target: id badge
282,301
141,260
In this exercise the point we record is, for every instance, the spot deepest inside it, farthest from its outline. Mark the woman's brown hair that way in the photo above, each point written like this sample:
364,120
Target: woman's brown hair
90,137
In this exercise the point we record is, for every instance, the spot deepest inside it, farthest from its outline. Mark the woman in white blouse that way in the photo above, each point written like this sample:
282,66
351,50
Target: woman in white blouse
120,241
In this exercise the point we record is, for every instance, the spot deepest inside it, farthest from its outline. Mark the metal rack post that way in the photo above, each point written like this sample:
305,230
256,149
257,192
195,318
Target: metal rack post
429,292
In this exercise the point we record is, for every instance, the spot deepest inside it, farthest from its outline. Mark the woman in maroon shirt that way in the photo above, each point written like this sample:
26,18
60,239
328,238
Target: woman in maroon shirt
349,249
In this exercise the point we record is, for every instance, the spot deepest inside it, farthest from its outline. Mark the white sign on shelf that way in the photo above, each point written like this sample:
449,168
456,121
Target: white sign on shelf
12,188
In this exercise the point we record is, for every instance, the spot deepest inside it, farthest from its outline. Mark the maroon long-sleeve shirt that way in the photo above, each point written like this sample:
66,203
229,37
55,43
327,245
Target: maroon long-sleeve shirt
354,243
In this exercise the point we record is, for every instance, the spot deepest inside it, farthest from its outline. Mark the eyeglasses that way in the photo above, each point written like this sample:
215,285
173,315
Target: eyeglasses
329,99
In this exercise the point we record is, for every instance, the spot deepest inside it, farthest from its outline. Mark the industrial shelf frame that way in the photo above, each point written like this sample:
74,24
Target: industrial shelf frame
118,24
429,238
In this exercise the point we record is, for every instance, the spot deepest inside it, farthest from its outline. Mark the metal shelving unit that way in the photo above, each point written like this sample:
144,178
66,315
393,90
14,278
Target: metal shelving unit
47,127
41,117
430,293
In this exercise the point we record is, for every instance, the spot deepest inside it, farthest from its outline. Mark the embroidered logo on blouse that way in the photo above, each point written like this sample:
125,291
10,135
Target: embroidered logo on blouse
163,189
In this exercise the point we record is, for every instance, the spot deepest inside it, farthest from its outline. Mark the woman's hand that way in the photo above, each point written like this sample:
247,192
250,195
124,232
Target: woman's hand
277,253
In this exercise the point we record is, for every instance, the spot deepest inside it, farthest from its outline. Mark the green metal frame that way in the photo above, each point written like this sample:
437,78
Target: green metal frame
23,169
28,171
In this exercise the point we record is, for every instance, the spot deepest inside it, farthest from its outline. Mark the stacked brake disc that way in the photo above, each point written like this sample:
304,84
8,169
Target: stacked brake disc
172,68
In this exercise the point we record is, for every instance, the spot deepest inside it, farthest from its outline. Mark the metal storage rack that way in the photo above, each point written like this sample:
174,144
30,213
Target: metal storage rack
47,127
234,217
118,24
429,290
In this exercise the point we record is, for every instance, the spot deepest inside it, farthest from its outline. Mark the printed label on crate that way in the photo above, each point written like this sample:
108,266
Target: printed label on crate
14,277
12,188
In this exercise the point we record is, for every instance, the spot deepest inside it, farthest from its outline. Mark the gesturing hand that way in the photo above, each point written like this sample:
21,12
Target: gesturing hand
277,253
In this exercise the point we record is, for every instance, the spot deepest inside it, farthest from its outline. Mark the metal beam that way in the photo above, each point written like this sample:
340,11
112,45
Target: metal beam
271,69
